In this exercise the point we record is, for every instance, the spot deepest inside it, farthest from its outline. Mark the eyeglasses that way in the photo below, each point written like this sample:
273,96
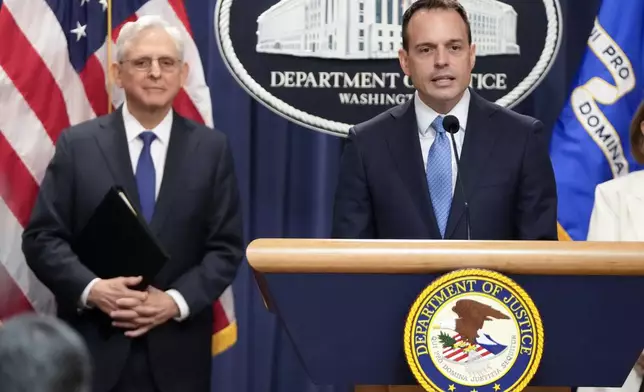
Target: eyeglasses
166,64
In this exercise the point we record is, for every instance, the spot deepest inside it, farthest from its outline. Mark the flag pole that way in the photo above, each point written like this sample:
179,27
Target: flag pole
109,56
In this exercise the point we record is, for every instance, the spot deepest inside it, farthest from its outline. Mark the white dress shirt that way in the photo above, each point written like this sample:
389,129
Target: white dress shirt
424,118
158,150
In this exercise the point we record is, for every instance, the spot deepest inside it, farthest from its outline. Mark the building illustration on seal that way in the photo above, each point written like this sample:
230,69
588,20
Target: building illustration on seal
370,29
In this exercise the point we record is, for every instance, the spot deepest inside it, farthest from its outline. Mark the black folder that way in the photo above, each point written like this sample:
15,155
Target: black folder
117,241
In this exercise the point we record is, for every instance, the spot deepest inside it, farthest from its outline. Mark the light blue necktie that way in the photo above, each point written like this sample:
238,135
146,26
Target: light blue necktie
439,175
146,176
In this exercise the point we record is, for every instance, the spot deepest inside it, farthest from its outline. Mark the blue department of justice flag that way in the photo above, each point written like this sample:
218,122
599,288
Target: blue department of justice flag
590,142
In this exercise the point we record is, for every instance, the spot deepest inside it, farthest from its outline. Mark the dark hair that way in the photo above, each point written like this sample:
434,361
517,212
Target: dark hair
41,353
636,136
431,5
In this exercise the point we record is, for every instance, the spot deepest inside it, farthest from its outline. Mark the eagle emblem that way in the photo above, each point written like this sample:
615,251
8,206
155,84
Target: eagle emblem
470,342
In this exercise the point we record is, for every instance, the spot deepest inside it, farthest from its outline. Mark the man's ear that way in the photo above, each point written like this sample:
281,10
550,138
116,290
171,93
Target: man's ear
472,56
185,70
403,58
115,74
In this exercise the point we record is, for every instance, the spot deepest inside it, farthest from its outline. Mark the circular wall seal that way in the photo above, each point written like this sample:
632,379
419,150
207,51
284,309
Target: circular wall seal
329,64
473,330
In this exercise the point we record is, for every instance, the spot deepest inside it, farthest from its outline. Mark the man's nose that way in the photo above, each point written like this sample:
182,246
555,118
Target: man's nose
441,58
155,70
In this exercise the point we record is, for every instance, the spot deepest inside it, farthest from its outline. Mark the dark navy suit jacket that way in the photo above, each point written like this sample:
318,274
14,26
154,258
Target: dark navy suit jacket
505,170
196,219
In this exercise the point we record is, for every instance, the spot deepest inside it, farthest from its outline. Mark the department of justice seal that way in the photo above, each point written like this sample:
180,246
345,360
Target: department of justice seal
328,65
473,330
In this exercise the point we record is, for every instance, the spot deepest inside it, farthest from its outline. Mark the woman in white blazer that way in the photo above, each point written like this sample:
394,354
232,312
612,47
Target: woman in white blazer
618,212
618,215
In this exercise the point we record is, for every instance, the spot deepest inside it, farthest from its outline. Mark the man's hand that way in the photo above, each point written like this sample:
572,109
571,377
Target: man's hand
106,292
140,318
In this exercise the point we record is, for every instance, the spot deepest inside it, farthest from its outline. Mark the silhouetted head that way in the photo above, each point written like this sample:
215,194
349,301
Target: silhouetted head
42,354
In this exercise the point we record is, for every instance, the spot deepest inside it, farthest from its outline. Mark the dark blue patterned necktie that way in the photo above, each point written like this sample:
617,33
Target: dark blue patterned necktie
146,176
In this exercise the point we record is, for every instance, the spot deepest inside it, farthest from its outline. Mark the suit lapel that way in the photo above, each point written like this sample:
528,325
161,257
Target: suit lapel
404,145
113,143
180,148
477,147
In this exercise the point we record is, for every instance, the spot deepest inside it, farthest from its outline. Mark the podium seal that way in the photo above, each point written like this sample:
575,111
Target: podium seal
473,330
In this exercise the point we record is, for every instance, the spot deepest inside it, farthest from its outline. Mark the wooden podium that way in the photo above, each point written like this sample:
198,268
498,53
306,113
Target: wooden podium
343,303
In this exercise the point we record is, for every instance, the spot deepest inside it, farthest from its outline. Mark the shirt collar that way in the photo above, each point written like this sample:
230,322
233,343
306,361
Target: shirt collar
425,115
133,127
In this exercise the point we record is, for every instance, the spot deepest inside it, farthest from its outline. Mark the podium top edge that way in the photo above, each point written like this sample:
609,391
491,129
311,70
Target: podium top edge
276,255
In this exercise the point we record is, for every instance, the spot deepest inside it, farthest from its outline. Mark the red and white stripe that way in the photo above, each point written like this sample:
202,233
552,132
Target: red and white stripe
40,95
458,355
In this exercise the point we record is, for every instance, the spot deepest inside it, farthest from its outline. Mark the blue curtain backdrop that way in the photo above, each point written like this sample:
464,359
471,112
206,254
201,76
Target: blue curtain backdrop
287,177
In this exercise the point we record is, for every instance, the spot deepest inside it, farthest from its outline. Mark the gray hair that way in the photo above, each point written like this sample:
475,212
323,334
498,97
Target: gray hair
131,30
42,353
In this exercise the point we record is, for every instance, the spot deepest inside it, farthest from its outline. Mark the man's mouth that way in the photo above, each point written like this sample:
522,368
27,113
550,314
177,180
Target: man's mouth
442,77
443,80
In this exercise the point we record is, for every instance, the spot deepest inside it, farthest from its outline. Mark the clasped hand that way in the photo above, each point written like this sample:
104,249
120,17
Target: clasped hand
136,311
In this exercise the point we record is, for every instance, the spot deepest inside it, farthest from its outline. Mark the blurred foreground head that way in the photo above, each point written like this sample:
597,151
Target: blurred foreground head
42,354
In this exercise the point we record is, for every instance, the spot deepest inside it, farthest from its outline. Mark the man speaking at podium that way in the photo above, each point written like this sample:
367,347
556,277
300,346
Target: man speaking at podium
400,177
180,177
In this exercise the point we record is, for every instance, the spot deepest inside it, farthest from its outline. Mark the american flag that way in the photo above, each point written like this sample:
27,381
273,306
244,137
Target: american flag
53,68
